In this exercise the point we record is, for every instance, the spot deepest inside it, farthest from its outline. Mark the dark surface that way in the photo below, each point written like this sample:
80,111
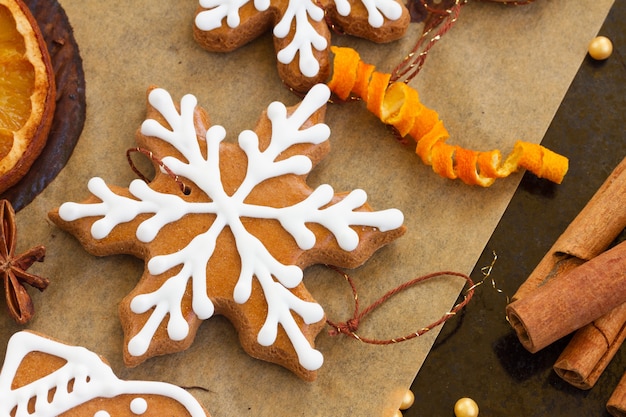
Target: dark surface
477,354
69,115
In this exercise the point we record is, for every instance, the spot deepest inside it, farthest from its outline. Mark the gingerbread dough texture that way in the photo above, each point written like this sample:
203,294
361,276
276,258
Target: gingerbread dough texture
228,229
301,30
45,377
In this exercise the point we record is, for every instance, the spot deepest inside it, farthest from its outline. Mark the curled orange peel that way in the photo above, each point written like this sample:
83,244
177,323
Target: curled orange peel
398,105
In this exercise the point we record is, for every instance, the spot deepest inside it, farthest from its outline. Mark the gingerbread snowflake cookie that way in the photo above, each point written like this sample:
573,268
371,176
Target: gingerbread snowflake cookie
46,378
235,241
300,29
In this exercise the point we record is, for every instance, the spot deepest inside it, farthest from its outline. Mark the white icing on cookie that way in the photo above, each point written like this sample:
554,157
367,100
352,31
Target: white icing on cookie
257,262
377,10
298,12
298,15
138,406
91,378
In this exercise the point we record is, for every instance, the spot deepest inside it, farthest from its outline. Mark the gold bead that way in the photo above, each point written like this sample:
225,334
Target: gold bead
466,407
398,413
600,48
407,400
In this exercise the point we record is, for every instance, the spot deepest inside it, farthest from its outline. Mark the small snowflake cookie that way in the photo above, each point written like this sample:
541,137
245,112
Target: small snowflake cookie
235,241
43,377
300,29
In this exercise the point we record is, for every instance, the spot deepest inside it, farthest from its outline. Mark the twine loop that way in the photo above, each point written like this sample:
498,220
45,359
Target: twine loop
183,187
351,326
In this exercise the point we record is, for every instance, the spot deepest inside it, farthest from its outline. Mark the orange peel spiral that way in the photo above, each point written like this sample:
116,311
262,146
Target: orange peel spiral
397,104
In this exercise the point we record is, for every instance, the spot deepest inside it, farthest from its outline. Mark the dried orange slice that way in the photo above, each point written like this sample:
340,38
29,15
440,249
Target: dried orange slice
27,91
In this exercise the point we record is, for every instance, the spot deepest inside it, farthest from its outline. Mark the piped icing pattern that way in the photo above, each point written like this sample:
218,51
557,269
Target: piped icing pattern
301,33
199,163
91,378
298,12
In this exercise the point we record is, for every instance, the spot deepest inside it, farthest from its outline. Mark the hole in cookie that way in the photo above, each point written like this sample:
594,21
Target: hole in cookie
185,188
143,167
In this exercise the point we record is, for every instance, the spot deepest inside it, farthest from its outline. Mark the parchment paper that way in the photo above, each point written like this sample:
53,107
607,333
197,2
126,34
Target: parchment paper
497,76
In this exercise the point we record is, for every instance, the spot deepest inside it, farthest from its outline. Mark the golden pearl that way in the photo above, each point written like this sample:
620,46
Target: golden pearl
466,407
407,400
600,48
398,413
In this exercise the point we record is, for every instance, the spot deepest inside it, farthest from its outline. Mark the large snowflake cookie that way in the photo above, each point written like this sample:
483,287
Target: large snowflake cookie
300,29
43,377
236,244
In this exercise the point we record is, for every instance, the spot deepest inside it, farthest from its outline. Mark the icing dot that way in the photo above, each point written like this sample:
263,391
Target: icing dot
138,406
313,360
101,413
138,345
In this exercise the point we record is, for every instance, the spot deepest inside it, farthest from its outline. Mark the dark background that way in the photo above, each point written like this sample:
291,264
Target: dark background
477,354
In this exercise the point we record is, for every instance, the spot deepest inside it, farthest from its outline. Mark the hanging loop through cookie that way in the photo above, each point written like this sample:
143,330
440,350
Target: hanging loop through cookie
183,187
351,326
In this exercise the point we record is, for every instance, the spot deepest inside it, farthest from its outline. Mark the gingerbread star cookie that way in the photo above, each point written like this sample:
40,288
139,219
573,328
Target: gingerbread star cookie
46,378
300,29
235,239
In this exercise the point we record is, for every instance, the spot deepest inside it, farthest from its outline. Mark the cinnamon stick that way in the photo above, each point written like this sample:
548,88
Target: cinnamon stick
591,349
587,236
616,406
562,306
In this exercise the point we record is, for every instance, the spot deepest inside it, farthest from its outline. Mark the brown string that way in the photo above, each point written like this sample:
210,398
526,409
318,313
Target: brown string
437,16
183,187
351,326
414,61
514,2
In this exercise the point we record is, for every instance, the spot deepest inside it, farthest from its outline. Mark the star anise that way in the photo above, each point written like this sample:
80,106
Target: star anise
13,267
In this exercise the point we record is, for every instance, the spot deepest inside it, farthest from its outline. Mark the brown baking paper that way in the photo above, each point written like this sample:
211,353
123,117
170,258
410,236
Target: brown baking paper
497,76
